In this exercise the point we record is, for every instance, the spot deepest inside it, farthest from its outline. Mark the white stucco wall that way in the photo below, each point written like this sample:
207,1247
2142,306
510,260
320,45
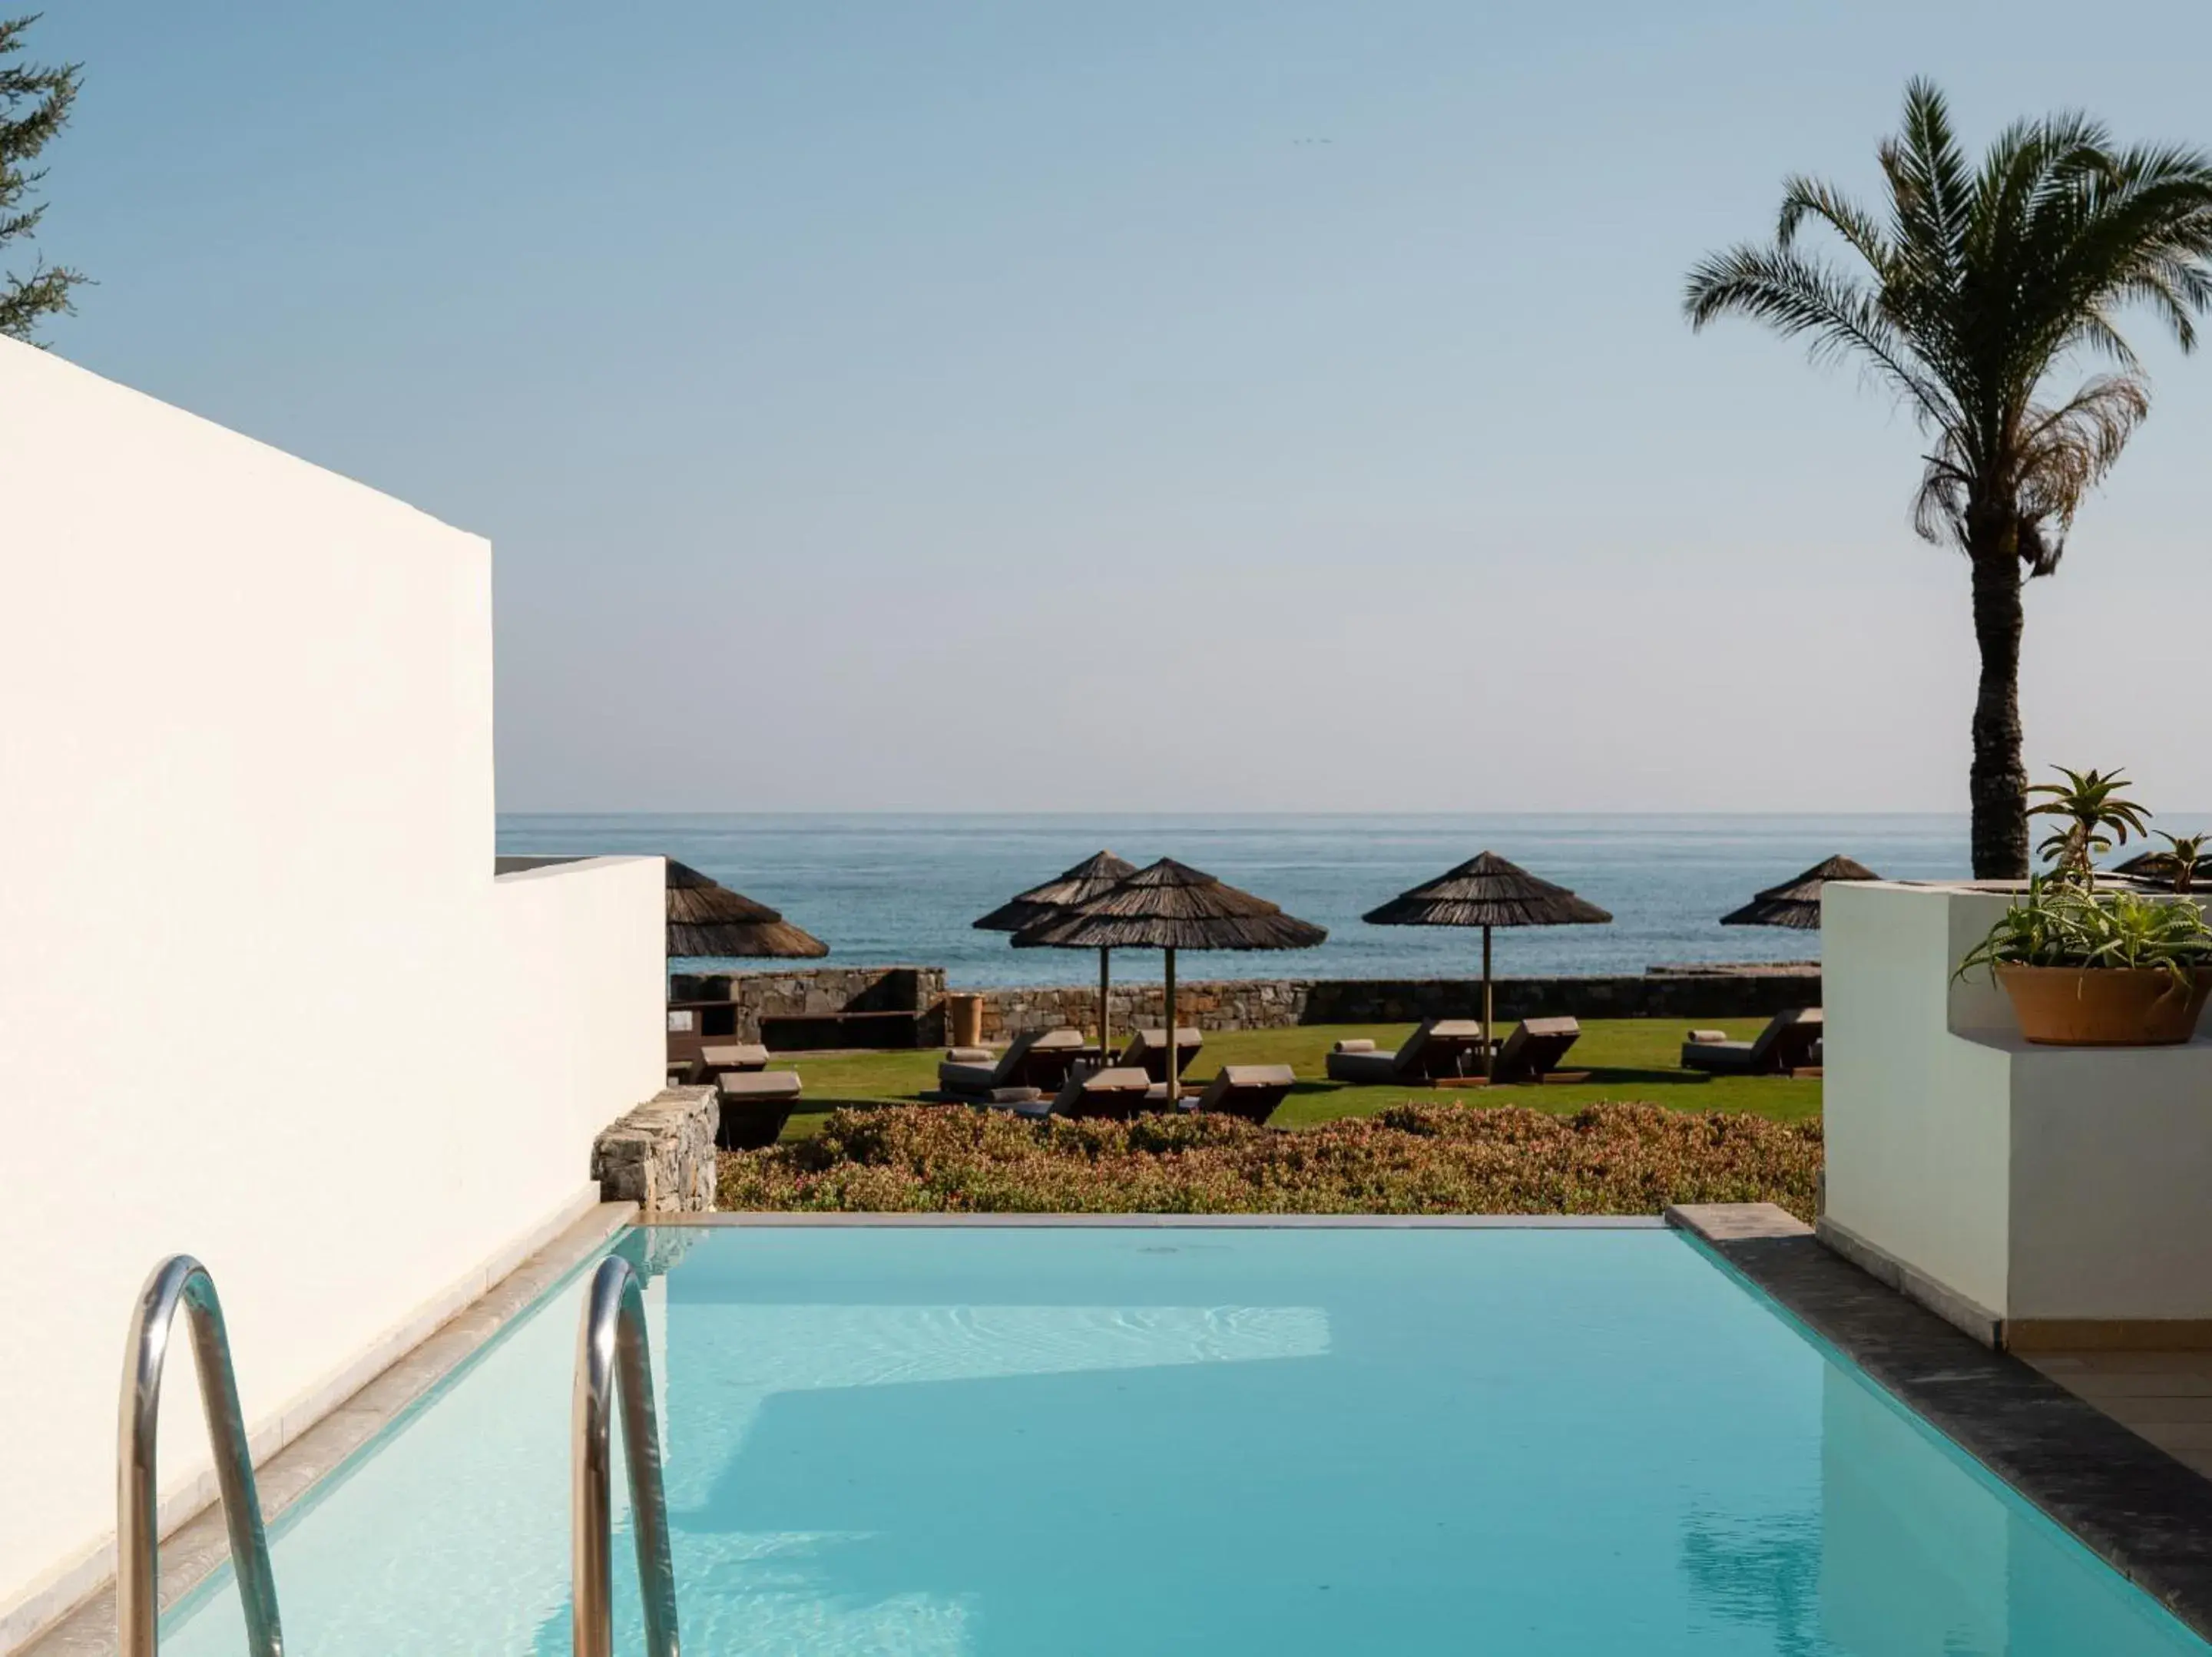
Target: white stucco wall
261,998
1916,1119
2111,1183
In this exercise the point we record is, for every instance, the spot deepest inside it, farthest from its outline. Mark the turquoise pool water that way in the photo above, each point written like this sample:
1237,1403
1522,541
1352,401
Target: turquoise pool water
929,1442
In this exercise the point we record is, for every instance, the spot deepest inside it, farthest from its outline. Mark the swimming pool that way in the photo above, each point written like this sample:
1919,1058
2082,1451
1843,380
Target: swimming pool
931,1441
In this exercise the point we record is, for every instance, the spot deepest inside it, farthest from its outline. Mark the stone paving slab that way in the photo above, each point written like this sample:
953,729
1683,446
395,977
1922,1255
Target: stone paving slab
2165,1397
1737,1222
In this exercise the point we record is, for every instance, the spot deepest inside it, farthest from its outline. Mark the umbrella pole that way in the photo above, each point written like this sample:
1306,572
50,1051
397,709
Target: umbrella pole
1175,1081
1104,1044
1486,1048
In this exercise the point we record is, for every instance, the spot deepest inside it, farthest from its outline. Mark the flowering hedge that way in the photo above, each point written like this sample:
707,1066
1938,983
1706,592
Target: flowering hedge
1414,1159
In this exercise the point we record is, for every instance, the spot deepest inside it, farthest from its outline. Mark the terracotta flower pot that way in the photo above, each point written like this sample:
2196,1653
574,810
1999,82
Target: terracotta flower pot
2104,1006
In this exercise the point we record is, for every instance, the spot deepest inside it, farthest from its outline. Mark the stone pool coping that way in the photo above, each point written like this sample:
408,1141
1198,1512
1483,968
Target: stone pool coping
201,1546
2124,1499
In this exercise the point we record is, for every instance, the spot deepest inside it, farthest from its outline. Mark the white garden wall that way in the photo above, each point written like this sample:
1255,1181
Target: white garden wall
248,923
2036,1195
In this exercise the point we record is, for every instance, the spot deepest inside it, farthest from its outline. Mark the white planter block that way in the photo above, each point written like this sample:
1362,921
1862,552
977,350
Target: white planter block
2022,1191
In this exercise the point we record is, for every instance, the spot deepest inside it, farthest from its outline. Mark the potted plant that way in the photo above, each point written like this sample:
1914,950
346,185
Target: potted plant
2088,969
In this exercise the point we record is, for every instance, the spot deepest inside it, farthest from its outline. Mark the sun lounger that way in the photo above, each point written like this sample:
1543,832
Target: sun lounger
755,1106
1147,1051
1786,1045
1119,1092
1033,1059
1533,1052
1443,1048
744,1055
1017,1099
1251,1091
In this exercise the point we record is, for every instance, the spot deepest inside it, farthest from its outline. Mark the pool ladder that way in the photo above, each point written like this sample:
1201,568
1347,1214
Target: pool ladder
613,1359
611,1347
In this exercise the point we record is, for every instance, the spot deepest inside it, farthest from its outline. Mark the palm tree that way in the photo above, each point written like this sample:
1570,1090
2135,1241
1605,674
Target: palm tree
1980,286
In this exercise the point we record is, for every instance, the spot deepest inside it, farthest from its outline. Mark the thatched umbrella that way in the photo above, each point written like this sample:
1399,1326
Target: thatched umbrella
1171,906
706,917
1094,877
2164,869
1486,891
1797,902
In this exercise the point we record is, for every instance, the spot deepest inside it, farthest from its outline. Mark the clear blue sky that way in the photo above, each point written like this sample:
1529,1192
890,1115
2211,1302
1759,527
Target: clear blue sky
1139,406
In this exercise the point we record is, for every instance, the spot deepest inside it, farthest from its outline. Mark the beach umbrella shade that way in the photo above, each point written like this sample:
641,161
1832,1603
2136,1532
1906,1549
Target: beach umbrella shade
706,917
1487,891
1071,888
2161,867
1169,905
1797,902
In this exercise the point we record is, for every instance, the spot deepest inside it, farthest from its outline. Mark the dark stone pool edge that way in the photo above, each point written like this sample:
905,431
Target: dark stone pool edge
2133,1506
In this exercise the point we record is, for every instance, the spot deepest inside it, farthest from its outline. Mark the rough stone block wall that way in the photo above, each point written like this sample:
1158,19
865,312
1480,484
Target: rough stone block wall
1252,1004
1220,1005
661,1154
1273,1004
818,992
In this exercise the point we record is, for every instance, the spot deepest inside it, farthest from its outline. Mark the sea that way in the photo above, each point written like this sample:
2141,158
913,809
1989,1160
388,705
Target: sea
896,889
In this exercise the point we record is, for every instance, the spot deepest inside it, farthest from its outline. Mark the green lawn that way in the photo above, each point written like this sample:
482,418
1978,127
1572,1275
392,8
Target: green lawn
1631,1058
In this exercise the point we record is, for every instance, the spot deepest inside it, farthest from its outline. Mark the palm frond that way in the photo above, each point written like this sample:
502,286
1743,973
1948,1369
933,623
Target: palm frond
1800,297
1931,186
1806,198
1982,281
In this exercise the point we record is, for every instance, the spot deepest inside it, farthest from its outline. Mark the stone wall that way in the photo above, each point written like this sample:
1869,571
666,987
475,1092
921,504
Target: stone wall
1246,1004
661,1154
816,992
1220,1004
1272,1003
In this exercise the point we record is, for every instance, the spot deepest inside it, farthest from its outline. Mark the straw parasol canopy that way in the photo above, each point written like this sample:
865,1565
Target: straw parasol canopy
1094,877
1797,902
2160,869
1487,891
1171,906
706,917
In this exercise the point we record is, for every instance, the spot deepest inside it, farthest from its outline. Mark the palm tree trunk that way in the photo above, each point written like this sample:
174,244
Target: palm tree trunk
1998,783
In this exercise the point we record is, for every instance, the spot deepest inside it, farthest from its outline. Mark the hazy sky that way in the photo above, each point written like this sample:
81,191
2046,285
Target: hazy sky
1135,406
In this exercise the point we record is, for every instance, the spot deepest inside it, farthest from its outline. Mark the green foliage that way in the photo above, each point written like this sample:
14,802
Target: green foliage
2094,816
2060,924
1421,1158
34,105
1973,287
2182,857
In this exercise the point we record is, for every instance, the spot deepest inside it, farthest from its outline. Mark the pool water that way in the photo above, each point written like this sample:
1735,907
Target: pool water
1124,1441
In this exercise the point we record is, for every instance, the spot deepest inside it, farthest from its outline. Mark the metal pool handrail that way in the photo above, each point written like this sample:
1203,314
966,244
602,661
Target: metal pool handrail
612,1345
180,1280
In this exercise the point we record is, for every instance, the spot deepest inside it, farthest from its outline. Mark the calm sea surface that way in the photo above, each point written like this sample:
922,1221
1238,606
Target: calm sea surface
882,889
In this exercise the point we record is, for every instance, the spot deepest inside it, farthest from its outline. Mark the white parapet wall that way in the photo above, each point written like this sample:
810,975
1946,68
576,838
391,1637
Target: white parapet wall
261,998
2035,1195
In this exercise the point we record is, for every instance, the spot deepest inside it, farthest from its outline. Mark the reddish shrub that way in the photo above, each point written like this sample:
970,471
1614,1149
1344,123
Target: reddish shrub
1414,1159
